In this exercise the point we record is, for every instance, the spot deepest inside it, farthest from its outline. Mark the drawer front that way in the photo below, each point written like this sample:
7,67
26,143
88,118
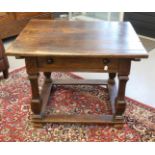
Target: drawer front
78,64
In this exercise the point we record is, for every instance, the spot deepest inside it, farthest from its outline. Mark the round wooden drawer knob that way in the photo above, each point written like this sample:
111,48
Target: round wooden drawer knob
50,61
106,61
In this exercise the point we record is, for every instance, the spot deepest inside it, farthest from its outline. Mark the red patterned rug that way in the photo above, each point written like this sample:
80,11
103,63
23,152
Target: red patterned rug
15,111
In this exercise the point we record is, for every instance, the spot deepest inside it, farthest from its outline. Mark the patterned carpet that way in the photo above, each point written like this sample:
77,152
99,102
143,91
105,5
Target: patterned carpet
15,125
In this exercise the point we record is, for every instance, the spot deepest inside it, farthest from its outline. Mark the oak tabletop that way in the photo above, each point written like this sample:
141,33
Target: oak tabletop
78,39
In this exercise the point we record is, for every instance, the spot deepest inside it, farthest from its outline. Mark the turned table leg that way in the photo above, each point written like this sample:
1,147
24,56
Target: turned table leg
33,75
36,101
111,79
124,70
120,104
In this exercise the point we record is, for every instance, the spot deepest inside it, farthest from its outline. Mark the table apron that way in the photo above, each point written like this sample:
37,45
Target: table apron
47,64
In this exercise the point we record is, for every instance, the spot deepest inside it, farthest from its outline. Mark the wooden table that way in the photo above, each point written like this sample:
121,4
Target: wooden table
51,46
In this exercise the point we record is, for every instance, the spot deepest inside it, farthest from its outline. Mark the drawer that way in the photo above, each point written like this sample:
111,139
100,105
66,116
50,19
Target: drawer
77,64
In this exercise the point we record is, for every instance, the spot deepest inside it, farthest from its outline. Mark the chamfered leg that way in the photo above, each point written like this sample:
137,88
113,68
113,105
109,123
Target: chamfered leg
33,75
124,70
120,103
36,100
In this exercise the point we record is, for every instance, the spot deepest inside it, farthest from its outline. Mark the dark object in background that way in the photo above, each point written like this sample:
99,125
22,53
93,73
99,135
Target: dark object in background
143,22
59,14
4,65
11,23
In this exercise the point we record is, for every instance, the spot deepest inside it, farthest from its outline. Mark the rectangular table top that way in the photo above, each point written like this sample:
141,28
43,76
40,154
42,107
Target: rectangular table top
78,39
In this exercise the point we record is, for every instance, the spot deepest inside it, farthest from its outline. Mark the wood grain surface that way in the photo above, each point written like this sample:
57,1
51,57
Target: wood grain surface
78,39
